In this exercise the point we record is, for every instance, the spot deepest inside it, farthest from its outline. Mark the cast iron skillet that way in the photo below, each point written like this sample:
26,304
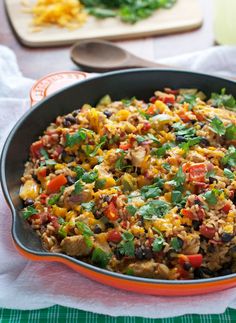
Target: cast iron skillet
137,82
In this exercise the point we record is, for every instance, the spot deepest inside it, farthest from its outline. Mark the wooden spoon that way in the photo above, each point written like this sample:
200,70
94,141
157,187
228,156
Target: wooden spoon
103,56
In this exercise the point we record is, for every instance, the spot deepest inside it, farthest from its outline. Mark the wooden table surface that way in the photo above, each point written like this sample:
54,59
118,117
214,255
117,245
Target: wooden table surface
35,63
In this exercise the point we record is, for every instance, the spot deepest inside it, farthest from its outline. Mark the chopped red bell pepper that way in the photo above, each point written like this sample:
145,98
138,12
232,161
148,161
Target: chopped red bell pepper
43,198
146,126
207,232
153,99
194,260
226,208
114,236
187,213
151,109
167,98
42,172
56,183
197,173
35,149
111,212
125,146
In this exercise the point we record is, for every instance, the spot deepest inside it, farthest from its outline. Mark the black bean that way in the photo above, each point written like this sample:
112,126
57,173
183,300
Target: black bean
196,224
70,119
97,229
227,237
28,202
107,113
187,266
117,254
106,198
212,180
109,225
202,272
204,142
180,139
147,252
75,113
66,123
97,215
193,121
201,124
71,180
197,202
139,253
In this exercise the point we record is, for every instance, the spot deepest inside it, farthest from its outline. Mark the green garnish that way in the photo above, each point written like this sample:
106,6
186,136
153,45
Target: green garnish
158,244
62,232
210,173
190,143
154,209
166,166
176,197
76,138
217,126
86,232
92,153
55,198
230,132
190,99
230,157
229,174
160,152
88,206
100,258
79,172
154,190
100,183
30,210
128,102
176,243
183,131
131,209
78,187
211,196
126,246
90,177
149,136
179,180
44,153
223,100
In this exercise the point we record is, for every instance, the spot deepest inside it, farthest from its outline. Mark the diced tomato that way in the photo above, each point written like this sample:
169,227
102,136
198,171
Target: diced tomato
187,213
197,173
153,99
201,213
56,183
194,260
151,109
207,232
125,146
184,274
35,149
167,98
199,116
43,198
42,172
111,212
226,208
146,126
170,91
231,194
124,224
42,217
114,236
183,116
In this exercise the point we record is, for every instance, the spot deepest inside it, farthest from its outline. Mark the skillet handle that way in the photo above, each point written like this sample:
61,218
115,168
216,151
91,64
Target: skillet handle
54,82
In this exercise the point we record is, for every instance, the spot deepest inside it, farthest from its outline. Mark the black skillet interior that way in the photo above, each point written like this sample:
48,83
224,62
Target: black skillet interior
140,83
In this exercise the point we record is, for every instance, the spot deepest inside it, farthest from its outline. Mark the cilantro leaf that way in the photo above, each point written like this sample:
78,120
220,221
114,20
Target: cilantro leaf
158,244
190,143
76,138
176,197
182,130
229,174
178,180
78,187
230,157
88,206
154,209
190,99
223,99
30,210
84,229
217,126
150,191
44,153
90,177
55,198
100,258
98,146
211,197
126,247
127,236
230,133
166,166
160,152
131,209
100,183
176,243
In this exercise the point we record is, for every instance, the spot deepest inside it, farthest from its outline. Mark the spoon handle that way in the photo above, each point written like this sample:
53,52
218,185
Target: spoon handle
135,61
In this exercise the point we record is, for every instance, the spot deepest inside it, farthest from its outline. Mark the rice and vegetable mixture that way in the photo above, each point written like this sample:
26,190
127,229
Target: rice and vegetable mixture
140,188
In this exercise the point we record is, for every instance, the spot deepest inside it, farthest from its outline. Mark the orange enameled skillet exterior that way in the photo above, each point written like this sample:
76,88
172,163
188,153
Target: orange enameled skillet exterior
140,83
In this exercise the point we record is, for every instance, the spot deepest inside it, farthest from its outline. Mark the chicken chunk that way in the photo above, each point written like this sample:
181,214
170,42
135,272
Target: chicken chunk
137,156
143,268
76,246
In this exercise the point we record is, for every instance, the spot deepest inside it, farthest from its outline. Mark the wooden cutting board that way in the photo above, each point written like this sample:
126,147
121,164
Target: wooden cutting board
185,15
